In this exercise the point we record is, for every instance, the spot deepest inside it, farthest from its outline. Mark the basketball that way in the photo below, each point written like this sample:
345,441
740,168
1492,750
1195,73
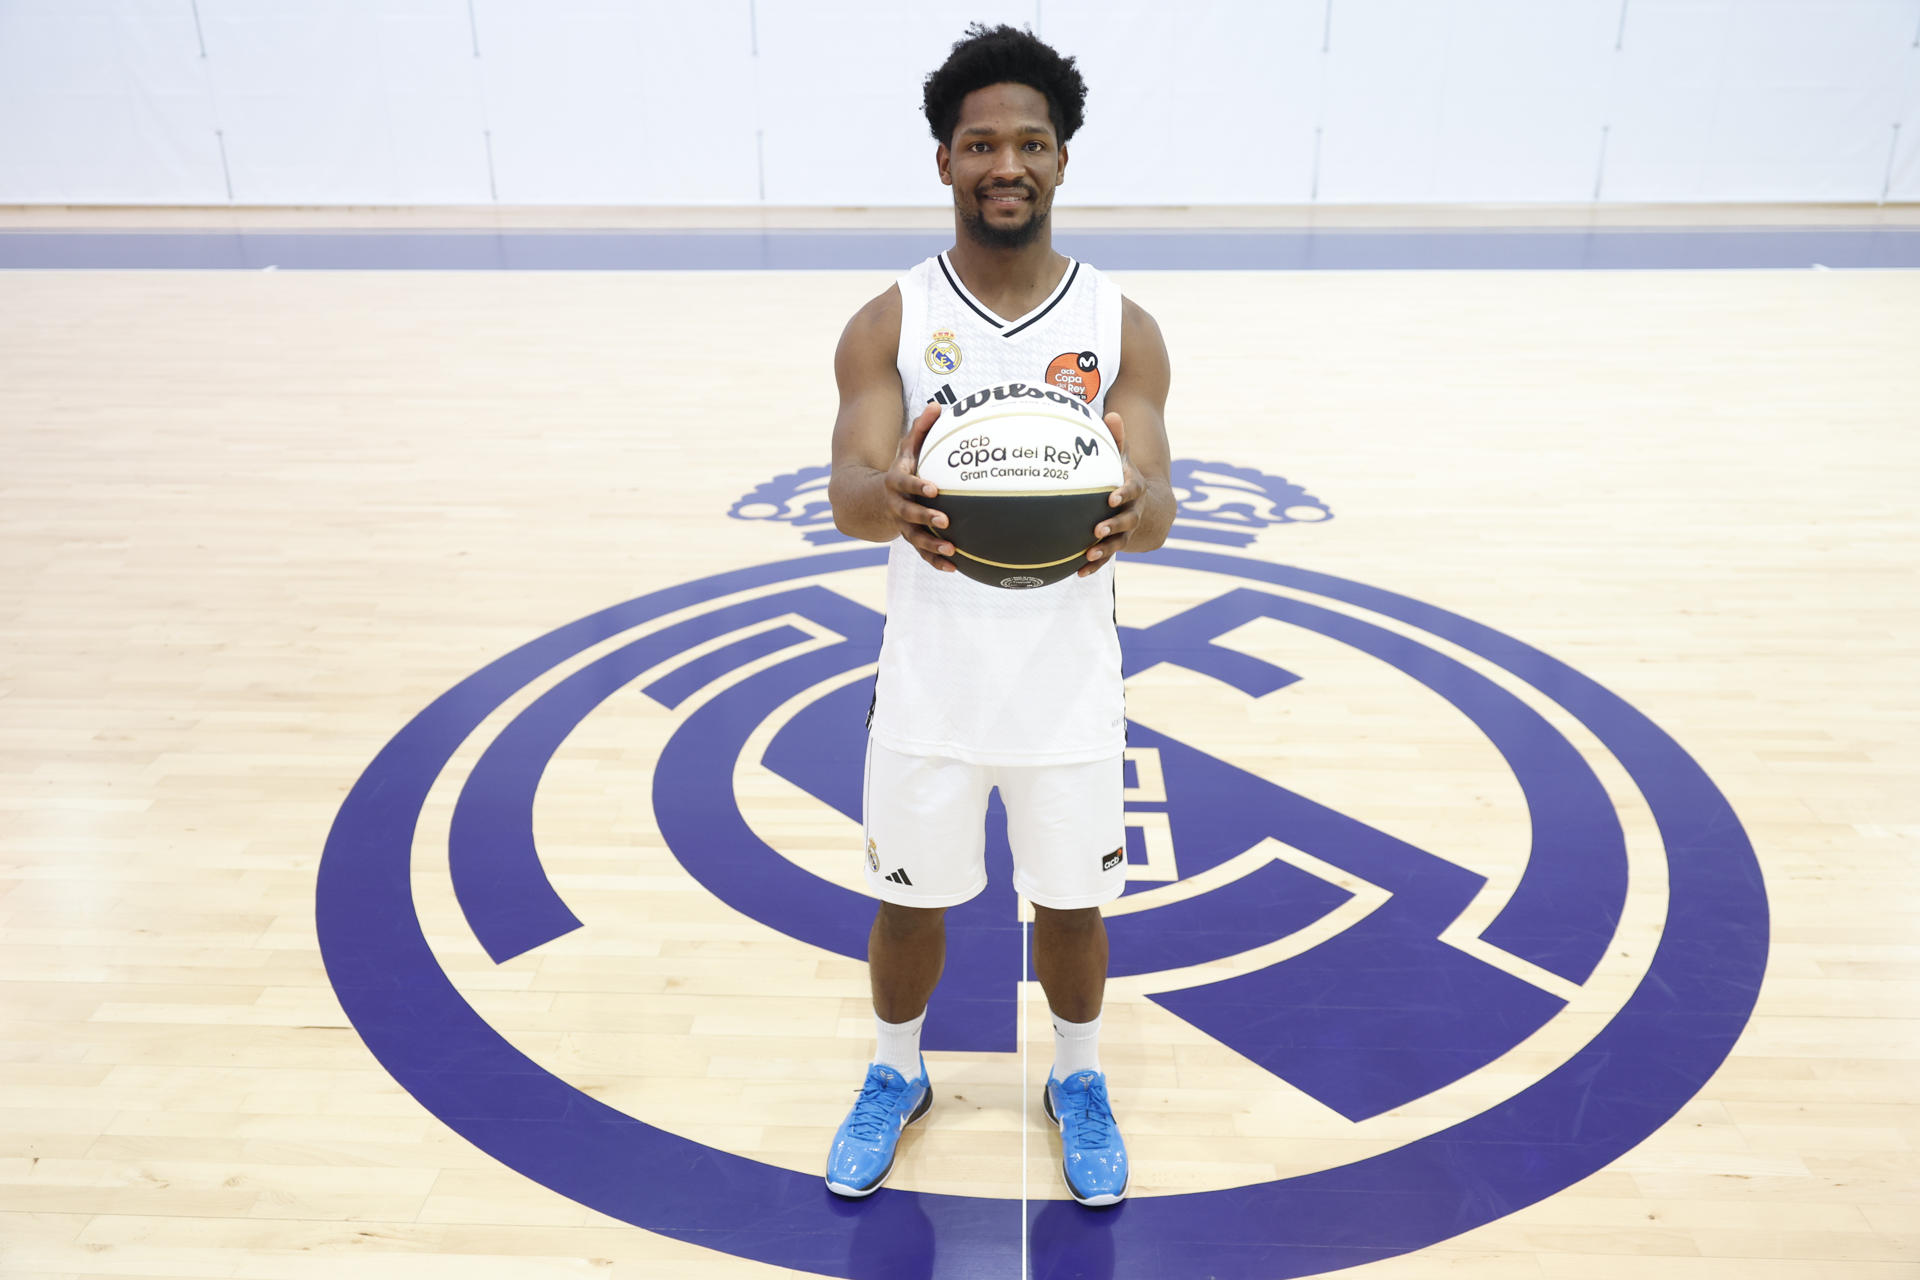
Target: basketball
1024,473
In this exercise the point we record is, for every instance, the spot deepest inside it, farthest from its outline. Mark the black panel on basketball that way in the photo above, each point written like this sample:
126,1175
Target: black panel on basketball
1021,539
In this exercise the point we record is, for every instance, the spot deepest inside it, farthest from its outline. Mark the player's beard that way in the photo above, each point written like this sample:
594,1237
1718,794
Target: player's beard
989,236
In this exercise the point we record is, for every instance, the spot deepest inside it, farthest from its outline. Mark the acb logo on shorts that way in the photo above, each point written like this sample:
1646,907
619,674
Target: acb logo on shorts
1347,953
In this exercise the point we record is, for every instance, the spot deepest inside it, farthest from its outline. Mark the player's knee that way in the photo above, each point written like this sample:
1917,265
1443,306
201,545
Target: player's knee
1076,920
908,921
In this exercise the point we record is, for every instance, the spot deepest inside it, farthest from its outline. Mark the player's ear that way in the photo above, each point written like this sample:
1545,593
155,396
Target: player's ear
1060,175
944,159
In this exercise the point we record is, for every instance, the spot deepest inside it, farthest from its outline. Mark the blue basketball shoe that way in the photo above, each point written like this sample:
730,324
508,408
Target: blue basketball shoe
1091,1152
862,1153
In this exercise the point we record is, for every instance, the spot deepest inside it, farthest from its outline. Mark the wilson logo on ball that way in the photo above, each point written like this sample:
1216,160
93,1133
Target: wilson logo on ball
964,405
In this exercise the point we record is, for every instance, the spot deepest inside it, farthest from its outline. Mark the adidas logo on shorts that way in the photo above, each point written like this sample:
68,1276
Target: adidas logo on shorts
900,877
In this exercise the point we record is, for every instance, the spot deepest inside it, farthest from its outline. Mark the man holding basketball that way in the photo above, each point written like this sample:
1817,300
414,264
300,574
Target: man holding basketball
958,709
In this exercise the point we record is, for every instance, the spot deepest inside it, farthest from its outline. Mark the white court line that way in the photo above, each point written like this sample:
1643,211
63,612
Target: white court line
1025,1260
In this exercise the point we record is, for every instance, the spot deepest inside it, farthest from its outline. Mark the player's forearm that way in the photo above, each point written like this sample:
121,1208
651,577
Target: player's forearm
858,494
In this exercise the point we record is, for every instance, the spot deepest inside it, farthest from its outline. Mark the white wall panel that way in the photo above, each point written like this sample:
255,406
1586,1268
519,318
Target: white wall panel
350,102
1902,178
840,92
1386,90
1666,93
1477,100
105,102
614,101
1810,99
793,102
1758,99
1209,104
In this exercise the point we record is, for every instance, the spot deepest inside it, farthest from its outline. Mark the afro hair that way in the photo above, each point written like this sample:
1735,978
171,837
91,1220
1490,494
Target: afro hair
1005,55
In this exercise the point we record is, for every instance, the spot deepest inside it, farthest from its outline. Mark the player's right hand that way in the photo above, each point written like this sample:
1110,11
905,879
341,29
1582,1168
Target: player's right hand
906,493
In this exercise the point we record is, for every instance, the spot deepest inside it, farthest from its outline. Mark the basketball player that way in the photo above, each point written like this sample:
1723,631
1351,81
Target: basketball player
981,687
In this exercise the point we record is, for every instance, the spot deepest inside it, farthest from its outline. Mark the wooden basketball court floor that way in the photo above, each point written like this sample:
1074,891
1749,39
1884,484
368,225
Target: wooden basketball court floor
256,524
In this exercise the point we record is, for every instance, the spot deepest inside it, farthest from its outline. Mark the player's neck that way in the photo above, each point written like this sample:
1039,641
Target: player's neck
1011,282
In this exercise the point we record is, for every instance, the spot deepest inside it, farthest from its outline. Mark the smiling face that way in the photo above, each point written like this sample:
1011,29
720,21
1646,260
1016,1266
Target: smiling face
1003,163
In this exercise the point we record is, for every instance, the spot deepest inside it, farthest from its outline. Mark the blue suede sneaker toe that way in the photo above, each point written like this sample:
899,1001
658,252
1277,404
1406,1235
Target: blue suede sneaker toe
862,1153
1091,1152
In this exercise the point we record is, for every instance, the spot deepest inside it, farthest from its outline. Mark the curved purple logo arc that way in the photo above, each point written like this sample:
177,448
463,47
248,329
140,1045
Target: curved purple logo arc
1354,1004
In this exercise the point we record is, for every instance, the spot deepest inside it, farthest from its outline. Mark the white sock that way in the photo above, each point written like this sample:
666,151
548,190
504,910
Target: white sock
1076,1046
900,1045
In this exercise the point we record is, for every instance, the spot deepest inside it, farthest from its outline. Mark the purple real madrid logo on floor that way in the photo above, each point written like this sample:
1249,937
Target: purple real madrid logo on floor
1388,1008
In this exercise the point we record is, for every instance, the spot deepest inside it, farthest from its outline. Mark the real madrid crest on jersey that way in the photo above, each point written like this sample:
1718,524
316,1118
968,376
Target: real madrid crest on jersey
943,353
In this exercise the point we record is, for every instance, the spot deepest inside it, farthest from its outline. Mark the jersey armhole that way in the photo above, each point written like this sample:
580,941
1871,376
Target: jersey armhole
1112,321
913,314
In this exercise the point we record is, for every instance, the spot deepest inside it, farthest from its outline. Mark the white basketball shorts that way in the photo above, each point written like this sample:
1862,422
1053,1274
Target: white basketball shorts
926,835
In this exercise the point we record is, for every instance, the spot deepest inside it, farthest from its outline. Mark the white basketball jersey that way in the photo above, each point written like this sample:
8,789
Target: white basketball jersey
985,674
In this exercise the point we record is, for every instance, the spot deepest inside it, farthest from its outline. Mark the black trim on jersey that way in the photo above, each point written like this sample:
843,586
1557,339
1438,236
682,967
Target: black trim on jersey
962,294
1035,318
1041,314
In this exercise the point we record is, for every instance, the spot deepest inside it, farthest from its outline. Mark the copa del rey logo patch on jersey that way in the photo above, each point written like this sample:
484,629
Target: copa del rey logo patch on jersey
1076,372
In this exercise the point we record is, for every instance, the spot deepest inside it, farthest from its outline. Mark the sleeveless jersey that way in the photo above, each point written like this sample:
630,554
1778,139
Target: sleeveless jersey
985,674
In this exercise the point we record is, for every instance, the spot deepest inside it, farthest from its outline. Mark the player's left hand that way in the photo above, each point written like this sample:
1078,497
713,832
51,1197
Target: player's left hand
1114,531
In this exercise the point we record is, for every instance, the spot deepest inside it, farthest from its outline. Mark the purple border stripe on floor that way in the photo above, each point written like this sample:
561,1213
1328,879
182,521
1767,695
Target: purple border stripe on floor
1263,250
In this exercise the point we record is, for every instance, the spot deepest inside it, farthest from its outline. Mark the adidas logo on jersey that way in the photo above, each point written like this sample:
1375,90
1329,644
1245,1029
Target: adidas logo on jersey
900,877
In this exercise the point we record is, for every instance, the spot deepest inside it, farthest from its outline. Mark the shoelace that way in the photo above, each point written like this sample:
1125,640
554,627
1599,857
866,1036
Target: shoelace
1093,1118
874,1112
